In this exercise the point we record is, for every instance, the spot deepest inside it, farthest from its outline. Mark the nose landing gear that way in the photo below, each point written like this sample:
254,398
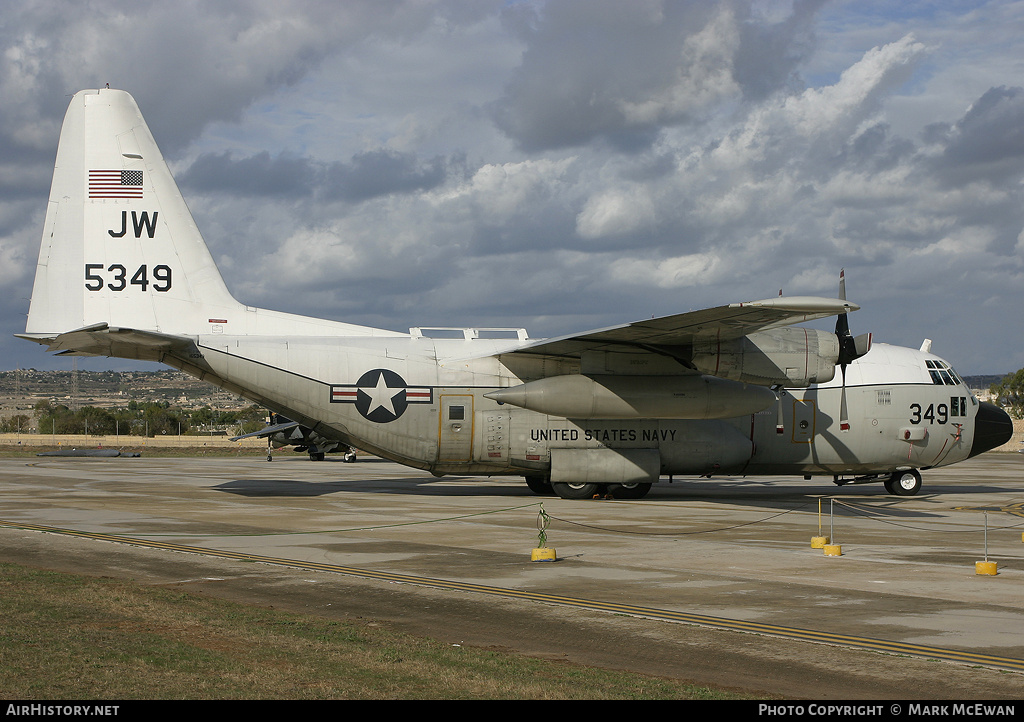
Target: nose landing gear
904,483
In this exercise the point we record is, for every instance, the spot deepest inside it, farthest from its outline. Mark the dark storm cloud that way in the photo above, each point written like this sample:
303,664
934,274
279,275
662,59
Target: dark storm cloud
988,142
877,149
367,175
623,71
259,175
769,54
186,63
381,172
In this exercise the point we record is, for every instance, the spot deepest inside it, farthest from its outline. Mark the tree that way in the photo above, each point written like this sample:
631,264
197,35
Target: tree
19,423
162,420
96,421
138,419
56,418
1010,393
252,419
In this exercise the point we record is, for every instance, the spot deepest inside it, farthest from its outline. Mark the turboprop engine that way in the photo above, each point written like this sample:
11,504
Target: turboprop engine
794,357
579,396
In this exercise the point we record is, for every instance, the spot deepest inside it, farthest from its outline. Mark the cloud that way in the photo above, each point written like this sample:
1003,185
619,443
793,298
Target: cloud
382,172
819,120
367,175
627,210
559,165
257,175
187,63
681,271
987,143
622,70
627,70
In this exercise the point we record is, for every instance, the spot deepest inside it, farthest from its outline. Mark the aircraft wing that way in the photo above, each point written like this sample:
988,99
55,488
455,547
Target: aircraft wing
102,340
680,330
268,431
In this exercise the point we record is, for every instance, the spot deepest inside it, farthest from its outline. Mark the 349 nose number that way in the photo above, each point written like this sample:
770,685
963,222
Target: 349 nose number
115,277
939,413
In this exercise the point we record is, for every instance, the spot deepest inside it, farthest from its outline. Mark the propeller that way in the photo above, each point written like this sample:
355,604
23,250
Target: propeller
850,349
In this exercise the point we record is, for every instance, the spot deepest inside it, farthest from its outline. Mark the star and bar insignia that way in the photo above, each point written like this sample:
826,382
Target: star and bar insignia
381,395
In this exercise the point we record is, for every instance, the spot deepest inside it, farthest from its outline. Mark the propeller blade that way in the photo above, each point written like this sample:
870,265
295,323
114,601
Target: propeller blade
850,348
862,344
844,416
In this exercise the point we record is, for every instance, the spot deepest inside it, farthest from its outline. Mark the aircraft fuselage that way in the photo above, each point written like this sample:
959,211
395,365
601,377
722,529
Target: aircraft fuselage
421,402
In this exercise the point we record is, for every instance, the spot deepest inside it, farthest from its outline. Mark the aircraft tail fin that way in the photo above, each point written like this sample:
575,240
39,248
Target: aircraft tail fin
119,244
120,251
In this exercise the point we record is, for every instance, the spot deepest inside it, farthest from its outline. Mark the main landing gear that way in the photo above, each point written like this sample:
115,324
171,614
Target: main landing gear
586,490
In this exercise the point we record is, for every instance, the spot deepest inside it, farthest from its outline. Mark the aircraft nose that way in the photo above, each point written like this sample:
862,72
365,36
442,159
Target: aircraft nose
992,427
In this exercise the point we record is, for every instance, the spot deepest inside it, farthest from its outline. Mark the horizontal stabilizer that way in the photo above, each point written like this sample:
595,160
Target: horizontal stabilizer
101,340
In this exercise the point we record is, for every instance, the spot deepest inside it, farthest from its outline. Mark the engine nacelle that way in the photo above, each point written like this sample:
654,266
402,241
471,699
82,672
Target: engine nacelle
790,356
576,396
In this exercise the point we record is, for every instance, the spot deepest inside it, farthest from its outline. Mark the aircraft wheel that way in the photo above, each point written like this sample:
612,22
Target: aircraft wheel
350,457
629,491
316,456
539,485
904,483
580,490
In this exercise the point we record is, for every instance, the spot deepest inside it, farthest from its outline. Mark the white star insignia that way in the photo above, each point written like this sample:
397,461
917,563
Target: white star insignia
381,396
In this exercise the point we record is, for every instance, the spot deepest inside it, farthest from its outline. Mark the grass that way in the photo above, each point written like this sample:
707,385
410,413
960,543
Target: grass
66,636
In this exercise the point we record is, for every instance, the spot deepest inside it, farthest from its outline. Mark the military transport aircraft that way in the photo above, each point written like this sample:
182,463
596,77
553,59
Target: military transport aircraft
735,390
281,431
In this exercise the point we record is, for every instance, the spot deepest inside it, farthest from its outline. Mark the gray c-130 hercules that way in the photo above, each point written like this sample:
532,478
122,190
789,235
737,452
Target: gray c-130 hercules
735,390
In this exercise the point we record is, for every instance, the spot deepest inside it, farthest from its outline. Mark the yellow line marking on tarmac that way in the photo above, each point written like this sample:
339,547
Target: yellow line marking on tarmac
807,635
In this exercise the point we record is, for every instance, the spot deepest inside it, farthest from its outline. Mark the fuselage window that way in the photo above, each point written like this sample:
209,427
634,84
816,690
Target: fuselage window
456,413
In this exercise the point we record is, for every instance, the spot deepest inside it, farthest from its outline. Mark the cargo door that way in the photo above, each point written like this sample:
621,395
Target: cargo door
455,435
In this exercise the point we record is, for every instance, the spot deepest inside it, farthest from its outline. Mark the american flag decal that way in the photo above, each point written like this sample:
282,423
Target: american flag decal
115,184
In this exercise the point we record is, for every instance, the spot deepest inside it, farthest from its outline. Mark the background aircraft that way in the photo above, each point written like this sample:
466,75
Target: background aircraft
733,390
281,432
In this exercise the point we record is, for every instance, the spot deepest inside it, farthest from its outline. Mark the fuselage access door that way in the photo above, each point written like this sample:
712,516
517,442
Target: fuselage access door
455,432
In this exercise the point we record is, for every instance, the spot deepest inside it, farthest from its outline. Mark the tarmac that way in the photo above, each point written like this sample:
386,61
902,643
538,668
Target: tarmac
712,581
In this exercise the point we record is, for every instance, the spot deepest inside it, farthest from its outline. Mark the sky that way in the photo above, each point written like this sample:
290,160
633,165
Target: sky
559,166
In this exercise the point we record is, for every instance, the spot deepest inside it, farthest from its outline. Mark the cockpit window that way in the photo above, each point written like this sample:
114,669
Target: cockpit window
942,373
